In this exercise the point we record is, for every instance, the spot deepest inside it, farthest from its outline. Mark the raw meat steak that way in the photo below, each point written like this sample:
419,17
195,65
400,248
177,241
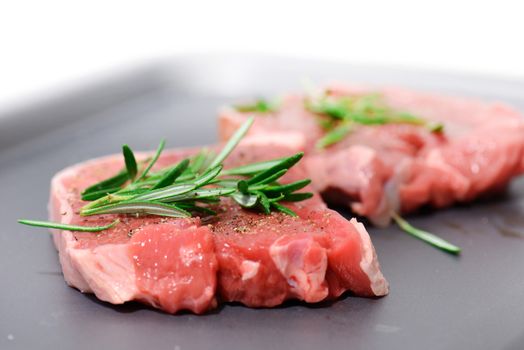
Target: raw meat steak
190,264
399,167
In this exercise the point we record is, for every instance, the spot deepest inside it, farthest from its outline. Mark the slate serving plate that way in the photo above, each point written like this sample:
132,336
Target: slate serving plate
437,301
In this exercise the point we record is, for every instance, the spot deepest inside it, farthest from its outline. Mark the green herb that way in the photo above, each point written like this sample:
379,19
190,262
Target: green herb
138,207
190,186
334,135
297,197
211,194
232,143
153,160
114,183
284,164
59,226
130,160
172,175
425,236
252,168
94,195
283,209
272,178
245,200
198,161
436,127
258,106
288,188
264,191
338,115
264,201
105,187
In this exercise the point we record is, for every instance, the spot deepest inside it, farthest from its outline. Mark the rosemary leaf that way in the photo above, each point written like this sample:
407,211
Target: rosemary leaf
283,209
232,143
264,201
326,123
369,119
406,118
208,176
198,161
172,175
243,187
139,207
288,188
231,183
425,236
130,160
253,168
334,109
273,177
297,197
153,160
286,163
59,226
245,200
94,195
199,194
260,106
335,135
115,181
277,199
110,198
165,193
130,192
435,127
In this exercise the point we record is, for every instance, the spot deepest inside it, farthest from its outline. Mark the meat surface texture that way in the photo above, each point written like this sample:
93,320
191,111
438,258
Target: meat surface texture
239,255
399,167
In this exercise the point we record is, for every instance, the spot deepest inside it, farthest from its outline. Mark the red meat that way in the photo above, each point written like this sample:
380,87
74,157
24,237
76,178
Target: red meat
398,167
239,255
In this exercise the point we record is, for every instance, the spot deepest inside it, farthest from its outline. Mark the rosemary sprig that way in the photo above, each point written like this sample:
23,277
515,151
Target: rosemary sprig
190,186
338,115
284,164
114,183
264,191
425,236
59,226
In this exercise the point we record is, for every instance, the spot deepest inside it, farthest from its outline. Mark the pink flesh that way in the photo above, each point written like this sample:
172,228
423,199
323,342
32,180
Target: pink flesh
307,258
177,264
377,169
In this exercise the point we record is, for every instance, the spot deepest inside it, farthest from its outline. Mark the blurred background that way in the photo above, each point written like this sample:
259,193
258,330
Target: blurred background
47,46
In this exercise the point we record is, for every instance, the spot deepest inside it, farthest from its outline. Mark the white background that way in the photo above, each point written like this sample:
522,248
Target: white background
46,46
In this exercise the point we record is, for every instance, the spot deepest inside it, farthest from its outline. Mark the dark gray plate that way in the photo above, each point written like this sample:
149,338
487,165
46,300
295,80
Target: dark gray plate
437,301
